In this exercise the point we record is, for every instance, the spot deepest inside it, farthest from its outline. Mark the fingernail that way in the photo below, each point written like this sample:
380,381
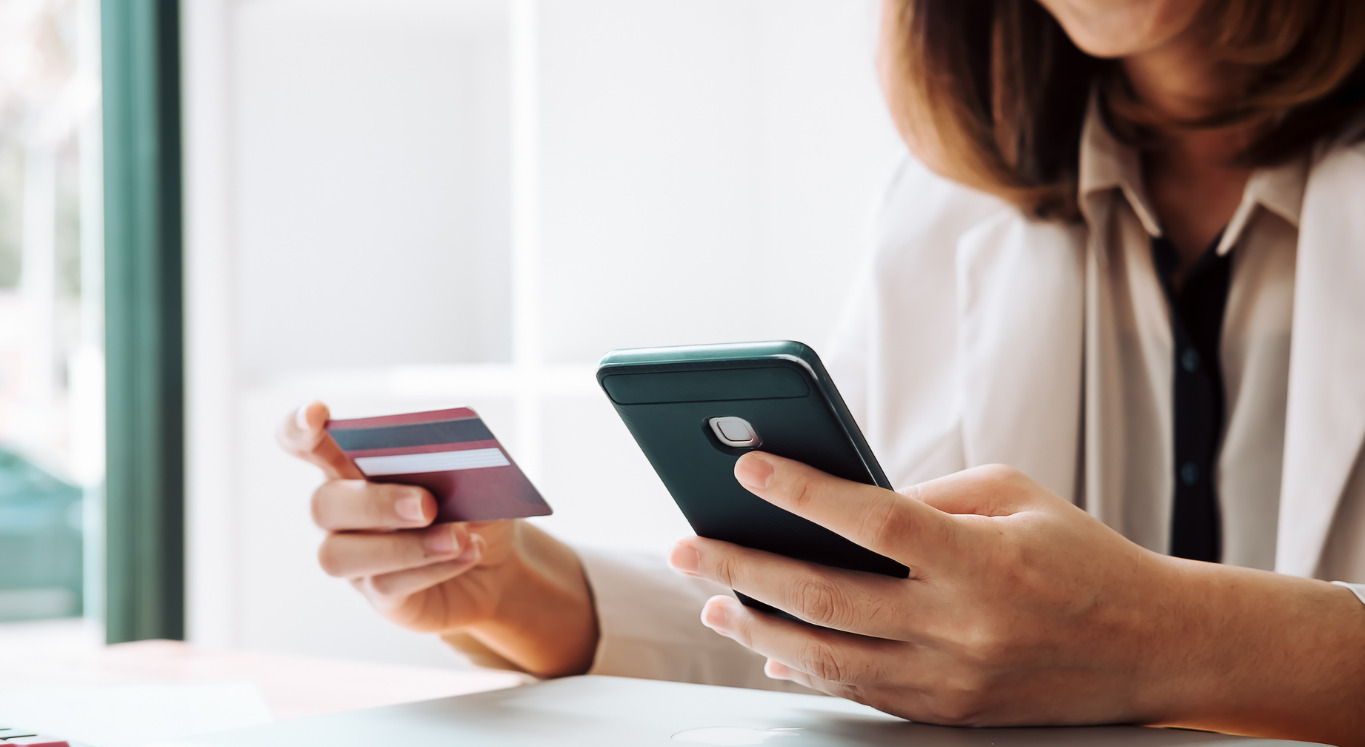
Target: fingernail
442,541
714,616
473,551
409,507
301,417
753,471
684,559
776,670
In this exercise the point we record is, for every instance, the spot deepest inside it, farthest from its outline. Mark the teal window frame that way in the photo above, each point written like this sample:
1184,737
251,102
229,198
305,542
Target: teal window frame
144,322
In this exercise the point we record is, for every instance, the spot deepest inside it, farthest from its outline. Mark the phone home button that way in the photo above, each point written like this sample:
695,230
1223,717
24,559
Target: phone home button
734,431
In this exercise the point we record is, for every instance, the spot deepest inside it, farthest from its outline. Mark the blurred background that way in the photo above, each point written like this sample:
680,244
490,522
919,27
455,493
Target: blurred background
396,205
51,333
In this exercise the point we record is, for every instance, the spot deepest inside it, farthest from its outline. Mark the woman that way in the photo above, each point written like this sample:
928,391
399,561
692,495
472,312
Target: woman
1128,261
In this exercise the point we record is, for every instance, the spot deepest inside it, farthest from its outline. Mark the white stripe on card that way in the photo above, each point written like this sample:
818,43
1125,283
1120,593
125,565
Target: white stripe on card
440,461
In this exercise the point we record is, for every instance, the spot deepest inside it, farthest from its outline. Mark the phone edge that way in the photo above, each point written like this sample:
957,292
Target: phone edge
789,350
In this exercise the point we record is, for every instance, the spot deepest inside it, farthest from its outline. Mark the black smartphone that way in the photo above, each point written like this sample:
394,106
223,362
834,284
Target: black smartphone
694,410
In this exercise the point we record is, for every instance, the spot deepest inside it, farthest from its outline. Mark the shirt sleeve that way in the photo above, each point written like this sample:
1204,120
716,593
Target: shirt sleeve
649,627
649,623
1357,589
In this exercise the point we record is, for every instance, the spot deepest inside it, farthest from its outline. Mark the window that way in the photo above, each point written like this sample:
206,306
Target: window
51,328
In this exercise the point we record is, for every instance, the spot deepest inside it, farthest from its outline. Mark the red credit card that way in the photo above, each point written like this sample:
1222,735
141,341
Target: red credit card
450,453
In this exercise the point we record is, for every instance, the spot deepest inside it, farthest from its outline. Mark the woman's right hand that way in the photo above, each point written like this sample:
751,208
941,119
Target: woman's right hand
496,580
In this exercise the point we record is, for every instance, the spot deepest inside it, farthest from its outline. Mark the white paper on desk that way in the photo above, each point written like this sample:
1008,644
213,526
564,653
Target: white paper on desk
133,715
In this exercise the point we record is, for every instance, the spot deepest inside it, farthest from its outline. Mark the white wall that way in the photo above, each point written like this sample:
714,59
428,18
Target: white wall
370,183
706,168
423,203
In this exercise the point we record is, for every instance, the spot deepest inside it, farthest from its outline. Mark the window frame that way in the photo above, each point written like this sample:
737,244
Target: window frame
144,326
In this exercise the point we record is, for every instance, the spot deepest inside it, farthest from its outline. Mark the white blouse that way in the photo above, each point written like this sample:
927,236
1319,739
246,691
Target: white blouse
1129,435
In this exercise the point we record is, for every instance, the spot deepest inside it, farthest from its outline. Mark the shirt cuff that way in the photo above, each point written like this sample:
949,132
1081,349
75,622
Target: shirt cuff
649,623
1357,589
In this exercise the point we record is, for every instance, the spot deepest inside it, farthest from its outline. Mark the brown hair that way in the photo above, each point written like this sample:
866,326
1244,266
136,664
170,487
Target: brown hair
1006,90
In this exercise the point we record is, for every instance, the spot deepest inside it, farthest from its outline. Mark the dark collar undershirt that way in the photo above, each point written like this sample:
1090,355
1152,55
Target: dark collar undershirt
1197,309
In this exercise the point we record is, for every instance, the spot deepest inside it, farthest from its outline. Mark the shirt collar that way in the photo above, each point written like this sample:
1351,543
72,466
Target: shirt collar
1278,189
1108,164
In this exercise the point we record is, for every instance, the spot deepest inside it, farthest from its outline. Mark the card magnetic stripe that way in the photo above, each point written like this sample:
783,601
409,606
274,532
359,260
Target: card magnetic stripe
416,434
441,461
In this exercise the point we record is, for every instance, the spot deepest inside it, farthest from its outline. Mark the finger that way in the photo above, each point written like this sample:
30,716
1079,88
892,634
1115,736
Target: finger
819,652
851,601
355,504
388,591
779,671
894,700
303,434
989,490
776,670
356,554
883,521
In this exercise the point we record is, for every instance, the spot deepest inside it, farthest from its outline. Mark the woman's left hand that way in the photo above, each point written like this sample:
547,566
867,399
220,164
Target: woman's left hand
1020,608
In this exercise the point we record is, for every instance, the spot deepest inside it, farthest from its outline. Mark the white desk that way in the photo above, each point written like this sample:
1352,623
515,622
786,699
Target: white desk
292,686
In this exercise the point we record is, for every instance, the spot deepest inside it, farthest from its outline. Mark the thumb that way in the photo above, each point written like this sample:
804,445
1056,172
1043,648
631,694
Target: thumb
303,434
884,522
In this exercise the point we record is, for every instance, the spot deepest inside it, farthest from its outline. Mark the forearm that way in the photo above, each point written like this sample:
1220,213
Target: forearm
622,614
545,621
1265,655
650,626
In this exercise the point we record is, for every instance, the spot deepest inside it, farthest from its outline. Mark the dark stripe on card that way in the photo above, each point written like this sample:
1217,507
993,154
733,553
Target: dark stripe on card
417,434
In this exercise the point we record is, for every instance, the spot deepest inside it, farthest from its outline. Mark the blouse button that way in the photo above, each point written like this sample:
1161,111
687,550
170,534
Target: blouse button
1189,473
1189,360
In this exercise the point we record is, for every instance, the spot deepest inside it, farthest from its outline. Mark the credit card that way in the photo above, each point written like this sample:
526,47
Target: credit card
450,453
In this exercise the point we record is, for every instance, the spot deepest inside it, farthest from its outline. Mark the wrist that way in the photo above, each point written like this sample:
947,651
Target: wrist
544,619
1255,653
1182,639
